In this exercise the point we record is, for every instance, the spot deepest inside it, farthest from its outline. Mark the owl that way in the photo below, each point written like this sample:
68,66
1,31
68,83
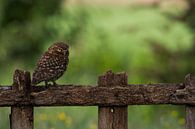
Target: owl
52,64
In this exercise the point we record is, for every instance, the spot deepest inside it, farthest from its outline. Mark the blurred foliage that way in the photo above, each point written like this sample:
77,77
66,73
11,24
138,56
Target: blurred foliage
146,42
66,117
189,16
23,23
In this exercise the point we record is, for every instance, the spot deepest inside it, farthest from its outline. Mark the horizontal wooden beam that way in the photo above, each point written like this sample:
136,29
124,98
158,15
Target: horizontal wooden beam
71,95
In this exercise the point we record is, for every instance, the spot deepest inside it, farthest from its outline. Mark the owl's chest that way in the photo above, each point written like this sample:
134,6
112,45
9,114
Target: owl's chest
53,62
59,63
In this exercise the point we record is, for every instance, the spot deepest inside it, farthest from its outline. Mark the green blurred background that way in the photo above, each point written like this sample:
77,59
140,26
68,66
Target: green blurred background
152,40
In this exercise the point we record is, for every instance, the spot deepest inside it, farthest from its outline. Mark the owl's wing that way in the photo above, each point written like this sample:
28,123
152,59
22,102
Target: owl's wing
49,67
50,61
45,68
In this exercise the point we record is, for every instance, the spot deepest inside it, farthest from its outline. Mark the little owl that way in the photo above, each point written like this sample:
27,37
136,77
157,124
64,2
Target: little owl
52,64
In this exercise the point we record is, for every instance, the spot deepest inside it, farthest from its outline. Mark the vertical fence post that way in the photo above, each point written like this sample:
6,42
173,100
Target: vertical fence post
22,116
190,109
112,117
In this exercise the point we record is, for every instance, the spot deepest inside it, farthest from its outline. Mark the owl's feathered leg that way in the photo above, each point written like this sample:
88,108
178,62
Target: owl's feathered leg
46,83
54,83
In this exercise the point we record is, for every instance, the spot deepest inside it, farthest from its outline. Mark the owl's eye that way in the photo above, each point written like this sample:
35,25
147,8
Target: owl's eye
59,50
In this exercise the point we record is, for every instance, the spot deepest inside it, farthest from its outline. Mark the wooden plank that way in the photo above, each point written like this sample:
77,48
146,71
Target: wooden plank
71,95
190,109
112,117
22,116
190,117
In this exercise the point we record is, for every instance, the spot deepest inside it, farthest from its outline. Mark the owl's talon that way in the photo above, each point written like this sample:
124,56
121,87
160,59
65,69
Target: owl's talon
54,83
46,84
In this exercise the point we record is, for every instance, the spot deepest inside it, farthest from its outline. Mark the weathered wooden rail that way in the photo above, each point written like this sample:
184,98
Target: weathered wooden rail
112,95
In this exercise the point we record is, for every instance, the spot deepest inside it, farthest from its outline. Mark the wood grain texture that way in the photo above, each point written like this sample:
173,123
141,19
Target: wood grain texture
22,116
112,117
116,95
190,117
190,109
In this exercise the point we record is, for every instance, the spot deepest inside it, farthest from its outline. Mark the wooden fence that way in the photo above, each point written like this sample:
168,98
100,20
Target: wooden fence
112,96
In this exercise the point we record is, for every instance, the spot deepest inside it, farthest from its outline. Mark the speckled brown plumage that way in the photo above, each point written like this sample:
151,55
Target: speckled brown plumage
52,64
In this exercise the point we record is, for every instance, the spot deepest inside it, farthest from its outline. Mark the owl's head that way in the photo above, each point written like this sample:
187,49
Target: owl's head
59,48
